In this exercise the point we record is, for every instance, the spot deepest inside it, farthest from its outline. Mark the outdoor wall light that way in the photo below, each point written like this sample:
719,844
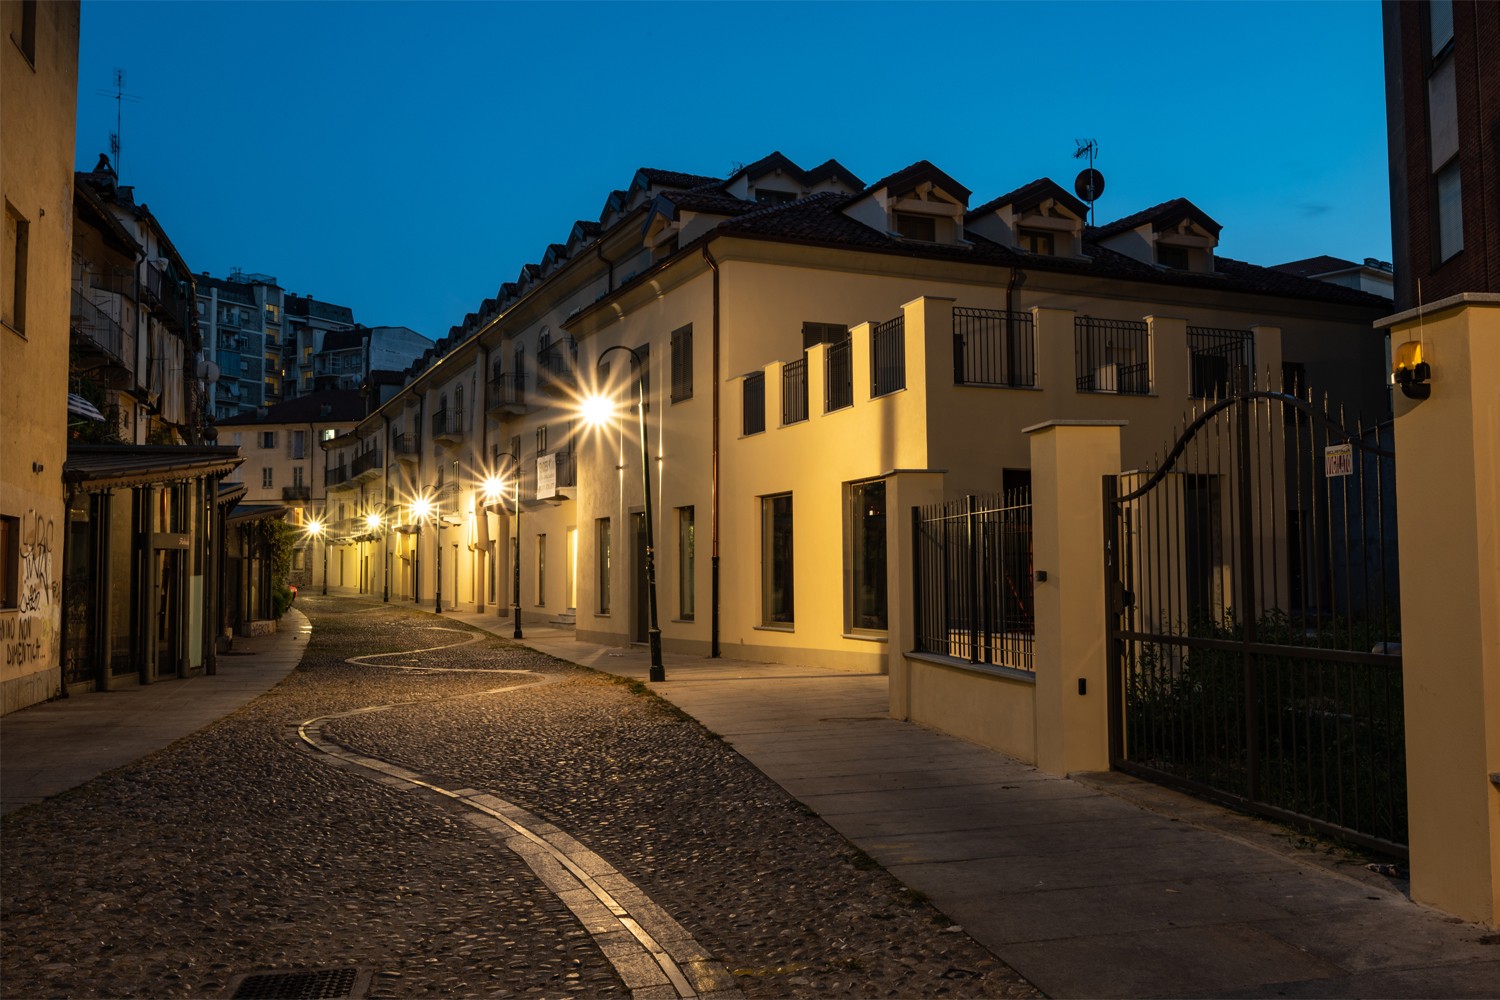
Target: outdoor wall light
1410,371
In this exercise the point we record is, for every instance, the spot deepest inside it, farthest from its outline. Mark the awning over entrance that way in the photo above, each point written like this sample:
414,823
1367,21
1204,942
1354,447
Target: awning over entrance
109,466
245,513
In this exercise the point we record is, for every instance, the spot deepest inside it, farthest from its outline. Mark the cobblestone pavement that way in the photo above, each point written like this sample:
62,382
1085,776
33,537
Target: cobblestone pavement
239,849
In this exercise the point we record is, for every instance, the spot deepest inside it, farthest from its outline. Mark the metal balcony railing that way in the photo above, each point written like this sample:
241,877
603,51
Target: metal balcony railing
1112,356
97,326
336,476
888,357
507,389
794,391
1215,354
993,347
367,462
403,445
838,376
557,365
296,493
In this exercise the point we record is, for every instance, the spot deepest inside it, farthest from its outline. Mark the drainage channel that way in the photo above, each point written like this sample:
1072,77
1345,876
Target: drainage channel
651,952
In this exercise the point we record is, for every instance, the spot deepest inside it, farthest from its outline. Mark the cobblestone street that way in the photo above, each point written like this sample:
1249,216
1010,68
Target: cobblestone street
464,818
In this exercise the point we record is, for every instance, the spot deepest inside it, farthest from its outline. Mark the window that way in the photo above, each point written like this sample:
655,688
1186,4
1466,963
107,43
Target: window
776,560
1440,24
917,227
775,197
458,409
1449,216
754,420
1175,258
866,541
299,444
541,440
268,439
296,475
266,475
327,434
604,556
686,564
541,570
1035,241
10,562
682,364
17,242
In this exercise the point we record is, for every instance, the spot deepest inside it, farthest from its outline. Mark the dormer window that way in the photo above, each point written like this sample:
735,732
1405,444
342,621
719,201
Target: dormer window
1172,257
1035,241
916,227
768,197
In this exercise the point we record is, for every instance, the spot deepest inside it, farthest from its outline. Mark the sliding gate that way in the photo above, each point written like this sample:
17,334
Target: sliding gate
1254,621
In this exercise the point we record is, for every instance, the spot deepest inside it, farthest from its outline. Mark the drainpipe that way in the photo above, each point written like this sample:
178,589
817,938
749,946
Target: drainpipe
62,630
479,508
386,505
1017,279
713,611
599,252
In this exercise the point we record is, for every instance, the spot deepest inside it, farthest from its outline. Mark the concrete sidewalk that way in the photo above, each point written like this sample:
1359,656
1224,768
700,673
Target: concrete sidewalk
1089,887
49,748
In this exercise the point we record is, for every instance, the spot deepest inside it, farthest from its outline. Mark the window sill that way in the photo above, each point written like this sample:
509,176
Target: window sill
788,627
603,614
683,621
868,636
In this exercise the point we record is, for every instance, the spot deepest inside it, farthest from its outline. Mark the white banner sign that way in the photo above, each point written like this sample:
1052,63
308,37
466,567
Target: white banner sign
546,476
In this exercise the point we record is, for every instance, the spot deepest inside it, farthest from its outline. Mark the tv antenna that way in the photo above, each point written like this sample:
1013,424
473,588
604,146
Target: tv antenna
1089,184
121,98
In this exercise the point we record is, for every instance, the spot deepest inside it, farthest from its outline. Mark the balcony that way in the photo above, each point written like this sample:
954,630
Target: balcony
448,427
405,448
506,393
337,477
98,330
1111,356
794,391
557,367
170,299
366,466
993,347
296,493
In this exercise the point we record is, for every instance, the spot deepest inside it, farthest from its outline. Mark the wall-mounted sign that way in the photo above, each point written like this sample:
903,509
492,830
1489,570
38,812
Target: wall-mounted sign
171,540
546,476
1338,460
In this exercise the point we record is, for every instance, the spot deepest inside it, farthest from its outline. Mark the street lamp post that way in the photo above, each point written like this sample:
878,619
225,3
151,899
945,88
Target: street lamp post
653,632
515,584
437,593
317,529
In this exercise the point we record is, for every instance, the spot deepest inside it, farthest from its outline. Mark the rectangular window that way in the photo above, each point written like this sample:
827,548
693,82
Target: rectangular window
1175,258
327,434
604,557
754,419
541,440
299,444
682,364
917,227
265,478
17,243
10,562
1035,241
1440,24
1448,192
541,570
268,439
686,564
297,475
866,541
776,560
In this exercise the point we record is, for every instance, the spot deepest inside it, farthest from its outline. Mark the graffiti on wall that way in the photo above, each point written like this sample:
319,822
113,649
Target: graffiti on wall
31,636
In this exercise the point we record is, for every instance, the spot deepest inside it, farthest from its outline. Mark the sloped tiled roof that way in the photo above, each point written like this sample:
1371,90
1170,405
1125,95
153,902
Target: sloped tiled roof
1029,196
1160,216
1310,266
676,179
709,201
342,404
908,178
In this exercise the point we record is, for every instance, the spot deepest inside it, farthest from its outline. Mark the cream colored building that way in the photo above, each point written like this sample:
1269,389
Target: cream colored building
782,395
38,100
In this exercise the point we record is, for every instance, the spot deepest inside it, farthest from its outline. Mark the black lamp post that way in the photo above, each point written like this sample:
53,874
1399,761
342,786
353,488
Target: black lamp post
515,585
653,631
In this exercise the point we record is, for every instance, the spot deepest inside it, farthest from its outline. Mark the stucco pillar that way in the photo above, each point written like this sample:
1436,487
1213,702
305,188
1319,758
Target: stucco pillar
859,361
1448,515
904,490
1171,362
929,342
1055,368
1069,460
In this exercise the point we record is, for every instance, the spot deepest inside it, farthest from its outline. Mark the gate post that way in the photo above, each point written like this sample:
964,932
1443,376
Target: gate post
1068,460
1447,499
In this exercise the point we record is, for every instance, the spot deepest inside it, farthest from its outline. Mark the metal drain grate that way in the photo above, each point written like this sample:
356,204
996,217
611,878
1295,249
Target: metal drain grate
326,984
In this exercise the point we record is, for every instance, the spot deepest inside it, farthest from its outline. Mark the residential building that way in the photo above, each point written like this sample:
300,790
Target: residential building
309,321
38,102
283,452
345,358
242,322
1374,276
819,355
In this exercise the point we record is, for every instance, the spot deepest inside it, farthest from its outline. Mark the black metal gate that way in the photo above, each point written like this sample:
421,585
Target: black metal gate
1254,617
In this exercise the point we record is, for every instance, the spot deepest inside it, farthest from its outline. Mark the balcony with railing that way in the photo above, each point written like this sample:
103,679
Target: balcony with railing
366,466
405,448
794,391
506,393
1215,355
448,426
993,347
838,375
1112,356
888,357
98,330
337,477
298,492
557,367
171,300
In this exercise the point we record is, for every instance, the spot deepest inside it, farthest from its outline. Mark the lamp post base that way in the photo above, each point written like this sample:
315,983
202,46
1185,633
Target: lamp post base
658,671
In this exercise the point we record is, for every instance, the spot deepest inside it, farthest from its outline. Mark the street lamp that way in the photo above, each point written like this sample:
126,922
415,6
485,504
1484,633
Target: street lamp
494,489
597,411
421,510
372,527
317,529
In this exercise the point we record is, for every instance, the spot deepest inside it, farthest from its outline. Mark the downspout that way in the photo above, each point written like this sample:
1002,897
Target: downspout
62,629
385,503
713,611
480,411
610,278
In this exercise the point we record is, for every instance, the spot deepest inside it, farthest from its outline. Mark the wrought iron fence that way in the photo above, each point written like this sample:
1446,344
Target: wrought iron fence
993,347
754,418
1112,355
972,579
888,357
794,391
1216,353
838,376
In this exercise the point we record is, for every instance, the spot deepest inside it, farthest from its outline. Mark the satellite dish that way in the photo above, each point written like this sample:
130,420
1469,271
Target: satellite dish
1089,184
208,371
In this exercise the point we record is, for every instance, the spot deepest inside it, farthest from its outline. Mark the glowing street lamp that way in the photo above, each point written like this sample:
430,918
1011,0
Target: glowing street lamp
598,410
420,510
494,489
373,526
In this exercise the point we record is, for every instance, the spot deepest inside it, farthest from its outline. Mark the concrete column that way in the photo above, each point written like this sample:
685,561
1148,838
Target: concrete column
1448,514
929,342
859,361
1069,460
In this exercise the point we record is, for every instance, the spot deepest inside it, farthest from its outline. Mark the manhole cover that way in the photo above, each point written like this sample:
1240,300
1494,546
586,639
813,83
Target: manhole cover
324,984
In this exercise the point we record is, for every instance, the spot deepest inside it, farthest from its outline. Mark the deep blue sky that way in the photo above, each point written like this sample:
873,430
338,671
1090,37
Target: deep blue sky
406,158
